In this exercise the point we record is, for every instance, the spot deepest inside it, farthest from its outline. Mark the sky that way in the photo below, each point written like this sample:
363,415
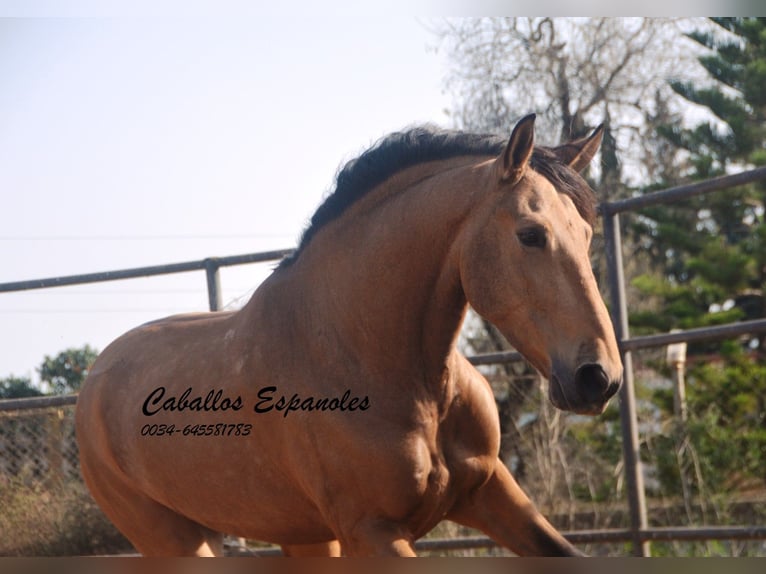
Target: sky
128,141
152,132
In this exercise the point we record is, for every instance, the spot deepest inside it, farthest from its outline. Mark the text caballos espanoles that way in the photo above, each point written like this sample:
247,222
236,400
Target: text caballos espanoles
269,399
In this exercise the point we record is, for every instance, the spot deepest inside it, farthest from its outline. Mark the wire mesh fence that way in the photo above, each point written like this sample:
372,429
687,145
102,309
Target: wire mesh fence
38,446
45,507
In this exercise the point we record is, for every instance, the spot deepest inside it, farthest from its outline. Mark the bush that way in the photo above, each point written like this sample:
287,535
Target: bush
60,519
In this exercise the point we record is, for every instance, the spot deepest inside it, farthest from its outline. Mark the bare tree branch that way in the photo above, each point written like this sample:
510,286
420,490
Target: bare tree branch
568,70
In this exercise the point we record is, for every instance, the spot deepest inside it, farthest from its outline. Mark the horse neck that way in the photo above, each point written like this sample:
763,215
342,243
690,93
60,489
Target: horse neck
384,275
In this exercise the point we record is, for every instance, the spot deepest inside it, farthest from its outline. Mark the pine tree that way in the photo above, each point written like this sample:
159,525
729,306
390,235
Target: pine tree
712,250
709,254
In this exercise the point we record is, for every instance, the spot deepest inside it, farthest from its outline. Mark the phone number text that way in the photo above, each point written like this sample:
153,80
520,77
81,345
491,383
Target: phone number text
220,429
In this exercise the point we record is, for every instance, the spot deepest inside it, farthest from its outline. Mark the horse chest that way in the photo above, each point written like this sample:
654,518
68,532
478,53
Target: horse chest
440,483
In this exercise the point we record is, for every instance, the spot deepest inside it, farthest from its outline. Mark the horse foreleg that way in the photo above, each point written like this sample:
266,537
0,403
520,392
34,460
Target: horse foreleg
501,510
376,537
331,548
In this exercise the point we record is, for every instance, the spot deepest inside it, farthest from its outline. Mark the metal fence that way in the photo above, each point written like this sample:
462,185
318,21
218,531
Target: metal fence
211,266
610,213
37,445
41,448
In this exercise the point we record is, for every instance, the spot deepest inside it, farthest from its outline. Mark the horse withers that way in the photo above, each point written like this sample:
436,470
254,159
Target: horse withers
333,412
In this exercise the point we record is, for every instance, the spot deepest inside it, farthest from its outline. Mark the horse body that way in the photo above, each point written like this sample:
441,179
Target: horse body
364,320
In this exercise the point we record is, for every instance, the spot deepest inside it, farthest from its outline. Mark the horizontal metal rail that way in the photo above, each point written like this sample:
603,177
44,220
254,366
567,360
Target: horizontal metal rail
504,357
727,331
665,534
675,194
500,357
136,272
659,534
716,332
28,403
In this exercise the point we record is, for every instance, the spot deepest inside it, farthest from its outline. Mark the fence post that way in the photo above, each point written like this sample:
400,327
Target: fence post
628,420
213,284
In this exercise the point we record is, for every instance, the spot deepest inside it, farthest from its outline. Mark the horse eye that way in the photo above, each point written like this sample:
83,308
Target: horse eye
532,237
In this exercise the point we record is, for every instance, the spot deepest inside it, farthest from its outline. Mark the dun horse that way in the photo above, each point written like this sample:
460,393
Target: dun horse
333,413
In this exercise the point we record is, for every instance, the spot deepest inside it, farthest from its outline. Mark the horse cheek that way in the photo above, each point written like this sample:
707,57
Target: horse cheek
486,289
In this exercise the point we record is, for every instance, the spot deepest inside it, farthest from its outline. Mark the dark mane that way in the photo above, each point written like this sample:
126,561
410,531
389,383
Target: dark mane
566,180
401,150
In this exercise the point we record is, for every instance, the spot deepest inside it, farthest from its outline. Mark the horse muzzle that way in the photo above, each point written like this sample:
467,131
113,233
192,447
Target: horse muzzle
587,392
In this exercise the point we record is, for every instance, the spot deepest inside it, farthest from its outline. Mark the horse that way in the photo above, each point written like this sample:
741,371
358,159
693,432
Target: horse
334,413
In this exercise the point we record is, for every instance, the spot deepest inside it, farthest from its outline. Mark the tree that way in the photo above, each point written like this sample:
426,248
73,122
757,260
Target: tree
17,388
668,120
66,372
575,73
712,250
735,94
709,259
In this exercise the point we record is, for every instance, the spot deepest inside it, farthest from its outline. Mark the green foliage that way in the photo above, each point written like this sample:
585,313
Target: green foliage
722,444
17,388
738,62
708,254
707,266
66,372
728,399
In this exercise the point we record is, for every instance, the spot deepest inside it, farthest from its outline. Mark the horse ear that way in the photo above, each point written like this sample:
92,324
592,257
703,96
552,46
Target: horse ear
519,150
578,154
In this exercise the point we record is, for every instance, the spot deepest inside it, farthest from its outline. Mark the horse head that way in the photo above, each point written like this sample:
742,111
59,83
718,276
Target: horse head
525,267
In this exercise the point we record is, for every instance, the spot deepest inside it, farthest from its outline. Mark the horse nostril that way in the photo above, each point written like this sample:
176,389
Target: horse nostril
594,383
